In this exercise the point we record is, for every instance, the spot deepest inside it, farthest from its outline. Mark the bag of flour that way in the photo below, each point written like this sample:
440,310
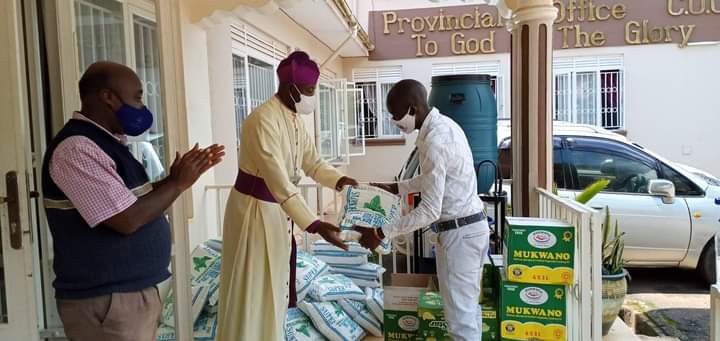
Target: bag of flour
211,279
366,275
369,270
298,327
324,246
374,301
202,258
333,258
308,269
335,287
368,206
334,255
205,328
332,321
362,315
199,299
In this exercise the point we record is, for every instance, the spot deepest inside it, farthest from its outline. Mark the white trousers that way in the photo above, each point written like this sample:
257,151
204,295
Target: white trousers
460,258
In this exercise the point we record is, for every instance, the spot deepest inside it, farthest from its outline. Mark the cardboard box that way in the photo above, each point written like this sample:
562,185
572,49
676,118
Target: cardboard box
490,326
490,283
540,251
533,312
432,317
401,321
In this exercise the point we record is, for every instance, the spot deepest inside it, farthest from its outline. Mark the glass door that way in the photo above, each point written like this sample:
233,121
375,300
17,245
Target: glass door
18,319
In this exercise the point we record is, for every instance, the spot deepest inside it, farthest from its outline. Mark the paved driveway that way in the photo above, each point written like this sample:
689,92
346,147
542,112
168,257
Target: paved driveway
674,299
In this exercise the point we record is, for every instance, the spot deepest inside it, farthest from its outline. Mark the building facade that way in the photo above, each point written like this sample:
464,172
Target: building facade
647,70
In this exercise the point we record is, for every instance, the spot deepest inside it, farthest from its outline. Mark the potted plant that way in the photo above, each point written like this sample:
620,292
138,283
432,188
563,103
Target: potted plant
614,275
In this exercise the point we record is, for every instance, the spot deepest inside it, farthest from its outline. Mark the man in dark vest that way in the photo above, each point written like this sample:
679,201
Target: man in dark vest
111,238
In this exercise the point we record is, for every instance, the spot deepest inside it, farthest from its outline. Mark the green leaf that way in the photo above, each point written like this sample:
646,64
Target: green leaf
200,263
375,206
304,330
591,191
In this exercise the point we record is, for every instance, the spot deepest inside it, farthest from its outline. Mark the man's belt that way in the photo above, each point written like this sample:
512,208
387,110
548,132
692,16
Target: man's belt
457,223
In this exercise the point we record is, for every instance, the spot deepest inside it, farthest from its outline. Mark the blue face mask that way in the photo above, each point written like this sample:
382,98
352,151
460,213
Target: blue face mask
134,121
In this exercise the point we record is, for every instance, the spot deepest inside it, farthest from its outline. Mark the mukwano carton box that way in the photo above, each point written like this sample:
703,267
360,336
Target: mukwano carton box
432,317
490,325
540,251
533,312
401,321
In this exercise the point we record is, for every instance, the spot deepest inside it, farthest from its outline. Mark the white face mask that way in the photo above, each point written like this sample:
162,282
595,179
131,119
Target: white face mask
306,105
407,123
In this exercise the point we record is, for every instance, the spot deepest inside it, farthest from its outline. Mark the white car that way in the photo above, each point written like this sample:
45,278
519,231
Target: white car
669,212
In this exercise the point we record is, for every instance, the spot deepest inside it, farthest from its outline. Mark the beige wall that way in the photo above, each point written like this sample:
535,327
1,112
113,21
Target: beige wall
197,84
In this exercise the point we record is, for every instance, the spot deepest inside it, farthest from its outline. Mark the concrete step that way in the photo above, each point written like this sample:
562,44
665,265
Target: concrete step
620,332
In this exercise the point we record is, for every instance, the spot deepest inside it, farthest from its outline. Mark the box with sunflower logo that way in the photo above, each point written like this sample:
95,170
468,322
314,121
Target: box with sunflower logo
539,251
432,318
533,312
400,315
490,323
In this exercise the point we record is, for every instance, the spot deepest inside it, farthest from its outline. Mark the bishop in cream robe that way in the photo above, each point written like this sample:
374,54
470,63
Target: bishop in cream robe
255,274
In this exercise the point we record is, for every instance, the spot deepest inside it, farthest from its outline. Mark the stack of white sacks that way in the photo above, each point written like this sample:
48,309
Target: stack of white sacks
205,282
331,306
339,292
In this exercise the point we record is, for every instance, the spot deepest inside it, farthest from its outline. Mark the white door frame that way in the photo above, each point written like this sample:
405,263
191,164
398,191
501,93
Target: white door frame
15,152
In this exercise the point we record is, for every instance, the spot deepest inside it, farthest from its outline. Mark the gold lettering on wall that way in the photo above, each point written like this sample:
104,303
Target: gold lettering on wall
637,33
389,18
587,10
463,21
418,24
432,23
581,38
460,46
579,24
694,7
696,10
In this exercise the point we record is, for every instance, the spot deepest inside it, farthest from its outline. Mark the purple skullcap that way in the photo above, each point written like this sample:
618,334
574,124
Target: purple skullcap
298,69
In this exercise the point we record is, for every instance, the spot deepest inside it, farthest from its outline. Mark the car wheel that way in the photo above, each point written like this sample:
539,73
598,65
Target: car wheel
706,267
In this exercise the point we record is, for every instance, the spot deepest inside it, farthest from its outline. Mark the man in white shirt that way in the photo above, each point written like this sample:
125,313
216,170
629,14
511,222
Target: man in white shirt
449,205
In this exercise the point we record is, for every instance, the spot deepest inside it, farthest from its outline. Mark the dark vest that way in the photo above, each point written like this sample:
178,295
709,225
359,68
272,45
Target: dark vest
96,261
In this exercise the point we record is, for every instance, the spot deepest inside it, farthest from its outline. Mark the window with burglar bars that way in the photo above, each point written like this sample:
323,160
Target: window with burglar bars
253,84
375,85
239,93
589,90
103,31
100,32
255,57
261,77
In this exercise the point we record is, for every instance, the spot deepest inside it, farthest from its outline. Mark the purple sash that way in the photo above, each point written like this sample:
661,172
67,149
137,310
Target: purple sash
253,186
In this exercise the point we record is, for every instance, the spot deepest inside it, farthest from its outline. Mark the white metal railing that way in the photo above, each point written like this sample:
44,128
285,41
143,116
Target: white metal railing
221,193
715,312
715,296
585,307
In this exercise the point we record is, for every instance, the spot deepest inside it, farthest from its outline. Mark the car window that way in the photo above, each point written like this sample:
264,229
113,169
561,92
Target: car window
683,185
626,175
505,161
